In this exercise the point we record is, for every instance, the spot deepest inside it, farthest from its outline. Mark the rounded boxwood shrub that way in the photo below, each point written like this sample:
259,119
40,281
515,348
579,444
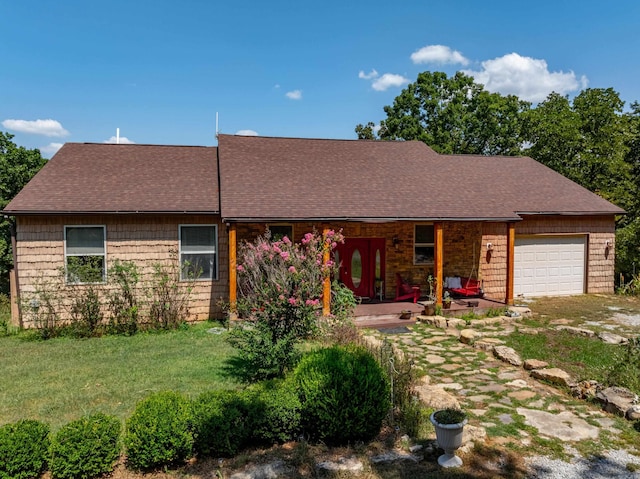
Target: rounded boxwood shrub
223,422
24,448
344,394
277,411
159,432
85,448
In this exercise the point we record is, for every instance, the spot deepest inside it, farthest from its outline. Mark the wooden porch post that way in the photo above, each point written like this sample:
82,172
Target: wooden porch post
326,282
511,241
437,233
233,270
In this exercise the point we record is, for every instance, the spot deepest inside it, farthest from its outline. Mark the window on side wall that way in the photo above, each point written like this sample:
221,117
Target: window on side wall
280,231
423,244
85,254
198,252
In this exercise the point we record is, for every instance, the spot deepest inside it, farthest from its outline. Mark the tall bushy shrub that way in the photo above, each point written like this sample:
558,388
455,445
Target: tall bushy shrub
344,394
24,448
168,296
222,422
160,431
85,448
123,299
280,289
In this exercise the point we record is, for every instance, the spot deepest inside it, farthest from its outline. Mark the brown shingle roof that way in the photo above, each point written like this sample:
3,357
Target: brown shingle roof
108,178
284,178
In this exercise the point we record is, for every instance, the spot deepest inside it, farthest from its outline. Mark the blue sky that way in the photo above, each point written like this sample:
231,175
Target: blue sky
160,70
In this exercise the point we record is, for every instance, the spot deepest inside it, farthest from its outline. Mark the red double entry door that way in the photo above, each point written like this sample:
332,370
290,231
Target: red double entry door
361,263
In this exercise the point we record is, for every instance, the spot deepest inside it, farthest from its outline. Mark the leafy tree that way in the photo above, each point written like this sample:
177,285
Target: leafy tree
452,115
628,233
17,166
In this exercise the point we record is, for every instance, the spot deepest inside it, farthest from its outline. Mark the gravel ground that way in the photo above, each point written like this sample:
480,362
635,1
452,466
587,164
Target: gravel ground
612,464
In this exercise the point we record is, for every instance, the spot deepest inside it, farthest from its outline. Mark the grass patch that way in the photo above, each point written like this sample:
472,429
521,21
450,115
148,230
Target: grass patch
581,357
57,381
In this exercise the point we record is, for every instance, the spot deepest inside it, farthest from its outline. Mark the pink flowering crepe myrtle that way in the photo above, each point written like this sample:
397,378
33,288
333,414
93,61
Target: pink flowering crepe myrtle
281,282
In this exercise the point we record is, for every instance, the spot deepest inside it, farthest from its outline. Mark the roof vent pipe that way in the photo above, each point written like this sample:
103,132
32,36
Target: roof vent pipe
117,136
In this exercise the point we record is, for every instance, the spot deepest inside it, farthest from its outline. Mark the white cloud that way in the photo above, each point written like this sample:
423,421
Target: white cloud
294,95
246,133
123,140
368,76
51,149
438,54
528,78
389,80
36,127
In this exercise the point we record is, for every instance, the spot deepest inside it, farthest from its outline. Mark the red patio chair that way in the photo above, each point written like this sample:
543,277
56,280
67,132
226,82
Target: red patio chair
405,290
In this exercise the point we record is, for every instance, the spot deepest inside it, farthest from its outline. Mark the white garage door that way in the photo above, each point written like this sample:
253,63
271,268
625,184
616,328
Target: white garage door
549,265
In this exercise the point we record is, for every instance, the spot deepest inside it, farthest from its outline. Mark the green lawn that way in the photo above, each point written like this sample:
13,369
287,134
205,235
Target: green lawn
61,379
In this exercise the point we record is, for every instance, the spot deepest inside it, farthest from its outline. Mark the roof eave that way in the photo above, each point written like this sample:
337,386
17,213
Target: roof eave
107,212
386,219
572,213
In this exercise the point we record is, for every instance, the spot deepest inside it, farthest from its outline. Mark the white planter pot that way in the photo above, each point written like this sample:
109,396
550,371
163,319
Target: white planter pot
449,438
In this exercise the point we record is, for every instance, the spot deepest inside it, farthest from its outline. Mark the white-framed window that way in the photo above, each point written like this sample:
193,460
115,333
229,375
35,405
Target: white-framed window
279,231
198,252
85,254
423,244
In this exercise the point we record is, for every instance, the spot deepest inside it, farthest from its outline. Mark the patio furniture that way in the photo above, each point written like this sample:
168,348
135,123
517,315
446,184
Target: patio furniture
405,290
463,287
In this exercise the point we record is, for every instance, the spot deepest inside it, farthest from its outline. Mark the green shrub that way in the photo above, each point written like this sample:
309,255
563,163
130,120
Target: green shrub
277,411
262,357
123,299
222,423
24,447
160,431
85,448
344,394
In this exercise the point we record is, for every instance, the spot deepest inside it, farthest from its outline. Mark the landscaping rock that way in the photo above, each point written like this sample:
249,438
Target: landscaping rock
565,426
471,435
585,389
578,331
611,338
455,322
350,464
617,400
508,355
435,397
523,310
531,364
553,375
395,456
272,470
487,344
633,413
469,336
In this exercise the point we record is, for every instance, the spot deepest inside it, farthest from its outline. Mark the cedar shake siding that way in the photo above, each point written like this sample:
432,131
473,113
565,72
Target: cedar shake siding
144,240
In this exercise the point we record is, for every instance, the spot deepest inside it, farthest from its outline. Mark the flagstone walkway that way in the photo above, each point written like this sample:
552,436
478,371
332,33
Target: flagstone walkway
501,399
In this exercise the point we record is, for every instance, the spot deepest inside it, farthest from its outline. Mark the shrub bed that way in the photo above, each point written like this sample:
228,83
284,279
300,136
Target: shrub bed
85,448
24,448
223,422
159,432
344,394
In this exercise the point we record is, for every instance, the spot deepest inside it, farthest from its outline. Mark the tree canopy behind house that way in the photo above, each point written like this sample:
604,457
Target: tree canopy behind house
452,115
17,166
590,139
